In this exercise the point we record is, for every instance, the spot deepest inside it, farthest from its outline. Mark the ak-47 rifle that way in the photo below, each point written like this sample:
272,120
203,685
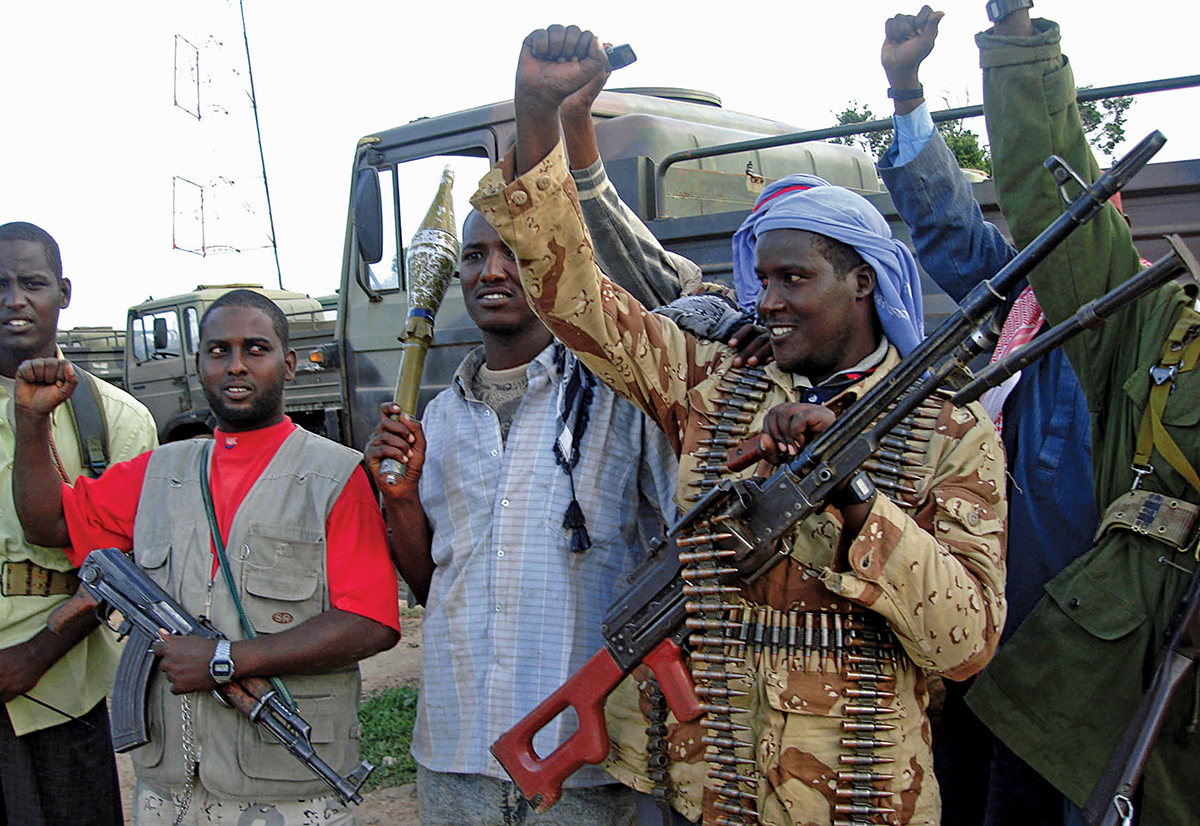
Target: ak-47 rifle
1178,261
745,519
111,582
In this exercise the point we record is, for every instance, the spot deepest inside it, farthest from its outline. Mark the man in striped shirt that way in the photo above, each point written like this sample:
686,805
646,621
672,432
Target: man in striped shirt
530,489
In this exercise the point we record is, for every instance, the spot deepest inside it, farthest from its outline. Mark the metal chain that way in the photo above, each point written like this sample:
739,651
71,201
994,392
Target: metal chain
190,764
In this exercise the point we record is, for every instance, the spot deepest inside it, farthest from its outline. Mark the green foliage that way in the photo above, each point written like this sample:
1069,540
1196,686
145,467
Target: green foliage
966,147
1105,129
387,719
873,143
963,142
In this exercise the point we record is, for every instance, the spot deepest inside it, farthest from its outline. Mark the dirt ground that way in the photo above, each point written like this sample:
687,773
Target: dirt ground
396,806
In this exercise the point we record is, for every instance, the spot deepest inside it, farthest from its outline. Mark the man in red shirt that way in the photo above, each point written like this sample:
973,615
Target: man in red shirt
306,546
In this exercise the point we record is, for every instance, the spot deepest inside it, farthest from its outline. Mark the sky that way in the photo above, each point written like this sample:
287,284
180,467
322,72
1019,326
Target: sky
109,130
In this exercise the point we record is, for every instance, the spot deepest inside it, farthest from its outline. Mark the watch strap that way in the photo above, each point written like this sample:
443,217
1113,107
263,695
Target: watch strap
997,10
220,667
858,490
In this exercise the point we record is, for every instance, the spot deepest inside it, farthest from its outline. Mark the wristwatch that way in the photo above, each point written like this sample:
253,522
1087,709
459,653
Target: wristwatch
220,667
997,10
858,491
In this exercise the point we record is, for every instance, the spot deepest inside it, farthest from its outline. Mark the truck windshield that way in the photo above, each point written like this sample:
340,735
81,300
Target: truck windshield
417,181
155,336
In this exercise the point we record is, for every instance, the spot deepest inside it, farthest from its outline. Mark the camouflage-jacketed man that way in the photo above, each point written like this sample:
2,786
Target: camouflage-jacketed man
880,592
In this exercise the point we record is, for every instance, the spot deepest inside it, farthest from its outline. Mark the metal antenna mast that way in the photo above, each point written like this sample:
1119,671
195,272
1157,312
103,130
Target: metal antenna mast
262,158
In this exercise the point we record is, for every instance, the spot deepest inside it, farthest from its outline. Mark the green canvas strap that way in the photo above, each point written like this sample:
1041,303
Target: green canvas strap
1179,355
91,428
223,560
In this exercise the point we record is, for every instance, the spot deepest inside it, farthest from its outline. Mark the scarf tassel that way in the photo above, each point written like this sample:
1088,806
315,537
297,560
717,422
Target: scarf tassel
576,522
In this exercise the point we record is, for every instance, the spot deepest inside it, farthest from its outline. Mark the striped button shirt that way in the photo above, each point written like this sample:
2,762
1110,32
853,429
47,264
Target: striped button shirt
512,612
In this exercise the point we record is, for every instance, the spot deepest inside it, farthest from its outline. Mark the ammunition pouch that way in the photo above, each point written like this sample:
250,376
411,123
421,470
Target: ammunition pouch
28,579
1164,518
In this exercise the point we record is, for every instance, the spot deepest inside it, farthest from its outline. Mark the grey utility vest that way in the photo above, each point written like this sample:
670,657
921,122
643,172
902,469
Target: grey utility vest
276,550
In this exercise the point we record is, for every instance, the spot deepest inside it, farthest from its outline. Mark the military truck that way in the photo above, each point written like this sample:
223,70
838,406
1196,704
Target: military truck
693,205
99,350
161,339
396,173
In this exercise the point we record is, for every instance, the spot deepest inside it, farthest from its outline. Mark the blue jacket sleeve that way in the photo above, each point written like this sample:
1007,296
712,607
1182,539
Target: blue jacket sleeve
954,244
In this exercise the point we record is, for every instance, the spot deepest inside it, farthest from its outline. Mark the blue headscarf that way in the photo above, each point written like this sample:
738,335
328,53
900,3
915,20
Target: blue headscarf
847,217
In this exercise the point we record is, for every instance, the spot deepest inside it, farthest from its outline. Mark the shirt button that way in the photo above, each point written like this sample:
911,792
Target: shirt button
497,609
500,552
811,397
504,502
543,182
520,197
495,453
972,519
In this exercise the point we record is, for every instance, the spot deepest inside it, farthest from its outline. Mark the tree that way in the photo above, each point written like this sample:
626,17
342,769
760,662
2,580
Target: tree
966,146
1105,130
873,143
964,143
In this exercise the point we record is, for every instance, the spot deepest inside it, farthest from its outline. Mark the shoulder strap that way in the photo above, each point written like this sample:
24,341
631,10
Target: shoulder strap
1179,355
91,428
219,544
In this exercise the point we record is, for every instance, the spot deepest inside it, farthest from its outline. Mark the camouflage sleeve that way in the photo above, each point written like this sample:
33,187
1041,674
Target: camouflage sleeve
626,250
937,575
644,357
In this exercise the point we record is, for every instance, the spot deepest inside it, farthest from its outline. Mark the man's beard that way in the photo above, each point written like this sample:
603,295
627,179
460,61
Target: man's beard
261,411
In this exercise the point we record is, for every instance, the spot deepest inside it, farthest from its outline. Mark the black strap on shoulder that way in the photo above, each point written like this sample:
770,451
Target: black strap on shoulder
91,429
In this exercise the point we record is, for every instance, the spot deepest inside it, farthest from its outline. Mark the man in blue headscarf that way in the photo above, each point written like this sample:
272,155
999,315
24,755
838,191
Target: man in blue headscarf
808,203
910,582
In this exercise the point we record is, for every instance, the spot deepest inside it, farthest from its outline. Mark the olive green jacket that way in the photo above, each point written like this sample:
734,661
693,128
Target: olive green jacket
1060,692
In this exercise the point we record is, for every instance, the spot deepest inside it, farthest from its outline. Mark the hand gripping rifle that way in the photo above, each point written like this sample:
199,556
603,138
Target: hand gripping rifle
112,583
743,520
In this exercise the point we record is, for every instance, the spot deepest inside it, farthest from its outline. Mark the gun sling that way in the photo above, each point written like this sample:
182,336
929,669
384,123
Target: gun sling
27,578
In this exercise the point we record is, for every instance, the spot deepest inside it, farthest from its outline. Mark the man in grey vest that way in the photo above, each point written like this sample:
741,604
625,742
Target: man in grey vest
306,546
54,726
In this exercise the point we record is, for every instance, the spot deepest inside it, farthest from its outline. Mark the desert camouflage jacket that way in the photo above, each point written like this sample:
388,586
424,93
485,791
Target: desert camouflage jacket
823,644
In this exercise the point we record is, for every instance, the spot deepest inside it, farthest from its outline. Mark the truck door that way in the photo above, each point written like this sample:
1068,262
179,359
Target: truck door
156,369
373,296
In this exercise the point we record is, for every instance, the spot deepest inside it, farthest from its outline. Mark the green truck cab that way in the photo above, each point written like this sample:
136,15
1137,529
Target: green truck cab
161,339
692,206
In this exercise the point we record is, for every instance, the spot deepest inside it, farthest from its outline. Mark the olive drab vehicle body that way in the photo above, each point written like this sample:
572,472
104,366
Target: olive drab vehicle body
161,340
692,206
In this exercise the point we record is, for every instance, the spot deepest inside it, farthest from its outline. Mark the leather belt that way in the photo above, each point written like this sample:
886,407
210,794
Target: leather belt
28,579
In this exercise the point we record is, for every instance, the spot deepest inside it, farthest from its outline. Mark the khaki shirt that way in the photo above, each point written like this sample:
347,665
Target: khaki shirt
84,675
930,566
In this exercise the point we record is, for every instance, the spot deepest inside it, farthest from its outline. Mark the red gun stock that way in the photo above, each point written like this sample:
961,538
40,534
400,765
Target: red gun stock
540,779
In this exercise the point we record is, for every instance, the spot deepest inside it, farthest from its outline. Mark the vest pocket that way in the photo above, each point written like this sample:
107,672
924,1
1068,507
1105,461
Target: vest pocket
329,703
281,574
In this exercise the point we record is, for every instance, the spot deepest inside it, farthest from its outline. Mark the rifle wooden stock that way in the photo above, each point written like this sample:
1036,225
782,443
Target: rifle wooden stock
1111,801
540,778
79,605
758,513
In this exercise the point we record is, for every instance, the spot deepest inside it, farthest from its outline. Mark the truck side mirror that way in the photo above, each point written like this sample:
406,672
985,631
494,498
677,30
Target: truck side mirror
368,215
160,335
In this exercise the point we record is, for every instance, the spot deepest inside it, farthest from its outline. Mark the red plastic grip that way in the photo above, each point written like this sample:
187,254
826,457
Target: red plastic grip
540,779
666,661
